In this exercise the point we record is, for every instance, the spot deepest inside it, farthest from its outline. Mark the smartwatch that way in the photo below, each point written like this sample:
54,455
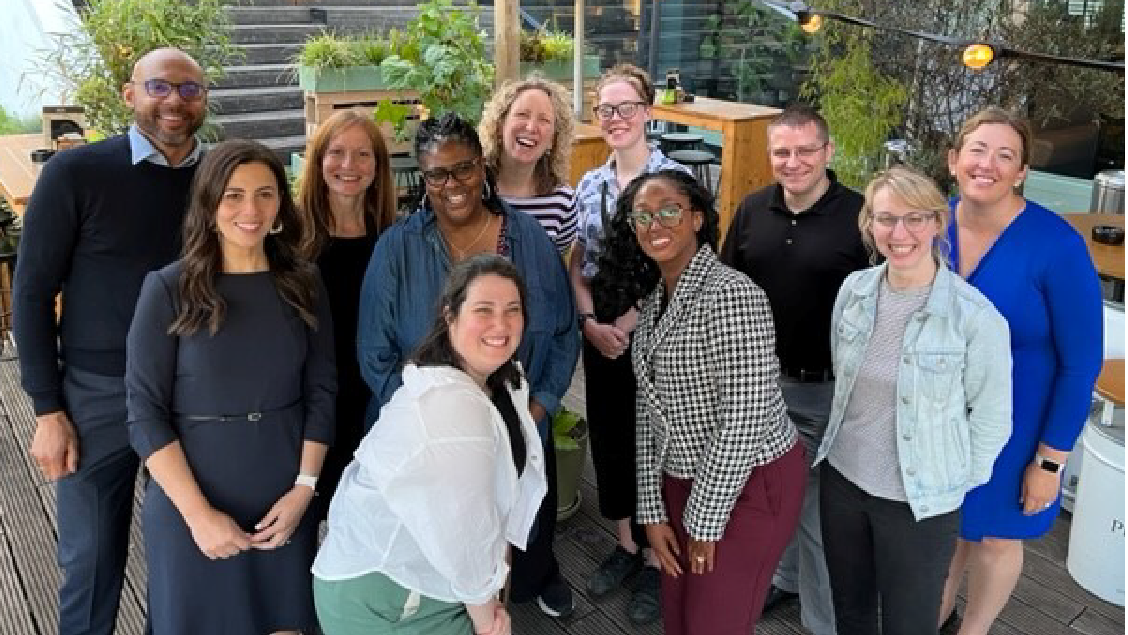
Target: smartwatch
1051,466
584,317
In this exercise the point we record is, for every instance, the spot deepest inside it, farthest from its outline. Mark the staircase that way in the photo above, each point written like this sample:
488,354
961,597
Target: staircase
259,98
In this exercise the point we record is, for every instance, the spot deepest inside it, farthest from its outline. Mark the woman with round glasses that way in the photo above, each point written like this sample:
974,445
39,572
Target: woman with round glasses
921,409
526,132
348,199
720,470
1037,271
624,95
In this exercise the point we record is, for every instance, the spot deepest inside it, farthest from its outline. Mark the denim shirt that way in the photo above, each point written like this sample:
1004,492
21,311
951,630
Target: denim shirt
953,386
400,294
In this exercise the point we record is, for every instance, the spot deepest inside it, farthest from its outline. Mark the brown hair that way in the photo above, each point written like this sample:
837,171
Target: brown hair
313,194
631,74
995,114
799,115
295,278
552,168
915,190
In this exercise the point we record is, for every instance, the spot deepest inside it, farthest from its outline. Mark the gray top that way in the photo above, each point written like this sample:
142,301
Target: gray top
865,450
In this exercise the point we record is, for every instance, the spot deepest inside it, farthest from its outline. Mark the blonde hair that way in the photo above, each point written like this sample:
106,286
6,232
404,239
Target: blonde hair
313,195
631,74
995,114
552,168
916,191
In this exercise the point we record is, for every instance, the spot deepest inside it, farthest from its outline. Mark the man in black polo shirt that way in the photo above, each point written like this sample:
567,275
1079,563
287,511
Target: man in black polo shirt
100,218
798,240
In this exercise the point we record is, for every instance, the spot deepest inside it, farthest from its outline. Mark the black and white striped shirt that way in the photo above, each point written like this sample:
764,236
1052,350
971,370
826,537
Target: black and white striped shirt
556,213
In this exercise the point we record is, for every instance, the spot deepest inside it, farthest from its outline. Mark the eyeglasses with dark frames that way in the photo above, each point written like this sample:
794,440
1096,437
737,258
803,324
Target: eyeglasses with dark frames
668,216
914,221
462,172
162,88
625,110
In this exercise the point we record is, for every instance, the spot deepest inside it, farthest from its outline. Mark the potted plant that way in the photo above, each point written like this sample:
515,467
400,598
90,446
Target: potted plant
334,63
551,54
570,438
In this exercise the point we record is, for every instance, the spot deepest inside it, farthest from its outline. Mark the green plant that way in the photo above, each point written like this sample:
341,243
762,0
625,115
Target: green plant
10,124
568,428
92,61
452,71
328,50
372,50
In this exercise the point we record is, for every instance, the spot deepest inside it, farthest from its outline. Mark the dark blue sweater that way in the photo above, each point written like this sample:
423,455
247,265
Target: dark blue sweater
95,225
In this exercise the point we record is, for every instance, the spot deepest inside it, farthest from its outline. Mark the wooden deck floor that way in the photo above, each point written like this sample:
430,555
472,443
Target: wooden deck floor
1047,601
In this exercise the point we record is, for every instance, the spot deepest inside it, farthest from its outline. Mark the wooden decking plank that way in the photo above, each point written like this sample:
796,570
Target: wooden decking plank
1054,575
14,617
1046,600
1092,622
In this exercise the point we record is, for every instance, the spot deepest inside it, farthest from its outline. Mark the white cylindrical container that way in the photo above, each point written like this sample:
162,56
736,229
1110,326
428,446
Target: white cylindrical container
1096,539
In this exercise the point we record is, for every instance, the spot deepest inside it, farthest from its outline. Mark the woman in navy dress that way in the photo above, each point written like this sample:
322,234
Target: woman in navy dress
1037,271
230,383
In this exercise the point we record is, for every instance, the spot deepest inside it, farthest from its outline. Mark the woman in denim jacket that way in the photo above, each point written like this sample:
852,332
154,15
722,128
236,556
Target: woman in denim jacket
922,406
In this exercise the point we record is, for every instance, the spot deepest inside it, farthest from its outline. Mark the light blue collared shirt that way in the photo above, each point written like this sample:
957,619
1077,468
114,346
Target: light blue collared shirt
142,149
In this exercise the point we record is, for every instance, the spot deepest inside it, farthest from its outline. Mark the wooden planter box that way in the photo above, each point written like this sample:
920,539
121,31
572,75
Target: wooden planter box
328,90
561,71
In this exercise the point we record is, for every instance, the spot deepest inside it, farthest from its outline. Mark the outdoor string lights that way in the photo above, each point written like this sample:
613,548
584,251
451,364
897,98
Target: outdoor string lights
977,54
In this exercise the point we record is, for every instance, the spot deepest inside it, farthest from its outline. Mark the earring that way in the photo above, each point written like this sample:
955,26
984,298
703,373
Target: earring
277,229
487,192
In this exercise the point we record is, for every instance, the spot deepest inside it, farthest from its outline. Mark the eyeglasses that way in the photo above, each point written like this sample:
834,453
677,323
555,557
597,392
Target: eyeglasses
162,88
805,152
914,221
626,110
668,216
462,172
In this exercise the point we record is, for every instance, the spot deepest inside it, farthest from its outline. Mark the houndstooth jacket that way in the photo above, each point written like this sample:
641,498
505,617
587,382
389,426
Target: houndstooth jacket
709,407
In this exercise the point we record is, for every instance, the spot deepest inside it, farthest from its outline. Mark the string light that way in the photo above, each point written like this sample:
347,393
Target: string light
977,56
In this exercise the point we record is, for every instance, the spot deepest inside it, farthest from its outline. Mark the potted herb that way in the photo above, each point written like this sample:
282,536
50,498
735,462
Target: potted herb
570,438
333,63
550,53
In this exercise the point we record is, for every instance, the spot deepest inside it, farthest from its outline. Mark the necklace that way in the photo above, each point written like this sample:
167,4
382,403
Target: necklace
460,252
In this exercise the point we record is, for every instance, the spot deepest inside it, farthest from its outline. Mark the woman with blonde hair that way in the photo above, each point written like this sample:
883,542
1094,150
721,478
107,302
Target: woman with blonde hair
1036,270
921,410
526,133
347,200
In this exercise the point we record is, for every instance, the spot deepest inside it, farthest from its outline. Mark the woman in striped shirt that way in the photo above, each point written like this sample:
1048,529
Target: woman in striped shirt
526,134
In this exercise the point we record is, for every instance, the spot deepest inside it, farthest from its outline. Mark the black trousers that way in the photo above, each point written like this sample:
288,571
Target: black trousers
536,566
877,551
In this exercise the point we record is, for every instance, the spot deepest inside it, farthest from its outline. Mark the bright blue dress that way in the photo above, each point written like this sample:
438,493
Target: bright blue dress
1041,278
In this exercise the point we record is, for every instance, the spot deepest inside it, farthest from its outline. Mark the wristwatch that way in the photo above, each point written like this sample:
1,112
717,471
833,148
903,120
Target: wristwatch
308,480
1050,465
584,317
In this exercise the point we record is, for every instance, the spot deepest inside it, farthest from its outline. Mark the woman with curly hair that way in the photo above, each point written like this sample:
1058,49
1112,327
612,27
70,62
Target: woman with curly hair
348,200
719,468
230,384
526,133
623,98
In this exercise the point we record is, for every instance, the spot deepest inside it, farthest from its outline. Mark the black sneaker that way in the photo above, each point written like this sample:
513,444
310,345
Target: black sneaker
555,599
618,566
645,606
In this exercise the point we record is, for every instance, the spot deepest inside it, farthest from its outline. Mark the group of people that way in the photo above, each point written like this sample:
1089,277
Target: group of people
857,399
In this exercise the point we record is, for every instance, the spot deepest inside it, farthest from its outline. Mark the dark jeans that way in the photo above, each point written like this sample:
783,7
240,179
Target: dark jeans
95,505
876,550
536,566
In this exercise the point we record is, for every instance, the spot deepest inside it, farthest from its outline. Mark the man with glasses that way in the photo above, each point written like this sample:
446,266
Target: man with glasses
798,239
101,217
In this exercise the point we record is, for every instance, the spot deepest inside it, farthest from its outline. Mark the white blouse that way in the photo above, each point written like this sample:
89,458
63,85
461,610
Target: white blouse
432,497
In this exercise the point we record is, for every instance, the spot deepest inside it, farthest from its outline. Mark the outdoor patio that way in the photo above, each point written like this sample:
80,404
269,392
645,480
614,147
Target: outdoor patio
1046,602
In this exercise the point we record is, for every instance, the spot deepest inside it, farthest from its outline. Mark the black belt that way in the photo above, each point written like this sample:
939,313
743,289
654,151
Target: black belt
803,375
246,416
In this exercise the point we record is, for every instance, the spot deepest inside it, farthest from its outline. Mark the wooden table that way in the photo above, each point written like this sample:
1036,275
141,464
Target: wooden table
1109,259
17,176
589,151
745,166
1110,383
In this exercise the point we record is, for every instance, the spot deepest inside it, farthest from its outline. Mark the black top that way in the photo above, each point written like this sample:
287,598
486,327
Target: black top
800,261
95,225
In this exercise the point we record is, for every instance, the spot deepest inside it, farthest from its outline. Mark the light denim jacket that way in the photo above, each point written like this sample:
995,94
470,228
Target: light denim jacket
953,387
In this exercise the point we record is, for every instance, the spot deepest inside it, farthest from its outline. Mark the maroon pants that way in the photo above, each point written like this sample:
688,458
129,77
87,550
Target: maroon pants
729,600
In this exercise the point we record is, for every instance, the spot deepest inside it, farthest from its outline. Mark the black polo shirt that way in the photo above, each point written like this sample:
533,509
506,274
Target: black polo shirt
800,261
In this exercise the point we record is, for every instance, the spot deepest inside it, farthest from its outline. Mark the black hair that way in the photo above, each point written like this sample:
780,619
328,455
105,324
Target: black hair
450,127
626,275
436,349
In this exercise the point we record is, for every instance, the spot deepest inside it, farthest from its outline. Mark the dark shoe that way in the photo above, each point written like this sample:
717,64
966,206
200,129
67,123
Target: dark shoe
776,598
555,599
644,607
618,566
951,626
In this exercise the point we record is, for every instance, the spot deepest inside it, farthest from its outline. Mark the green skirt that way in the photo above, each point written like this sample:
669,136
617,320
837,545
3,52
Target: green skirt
373,604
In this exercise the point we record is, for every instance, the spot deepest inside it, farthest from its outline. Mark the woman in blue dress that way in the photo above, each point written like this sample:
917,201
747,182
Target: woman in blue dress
1037,271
